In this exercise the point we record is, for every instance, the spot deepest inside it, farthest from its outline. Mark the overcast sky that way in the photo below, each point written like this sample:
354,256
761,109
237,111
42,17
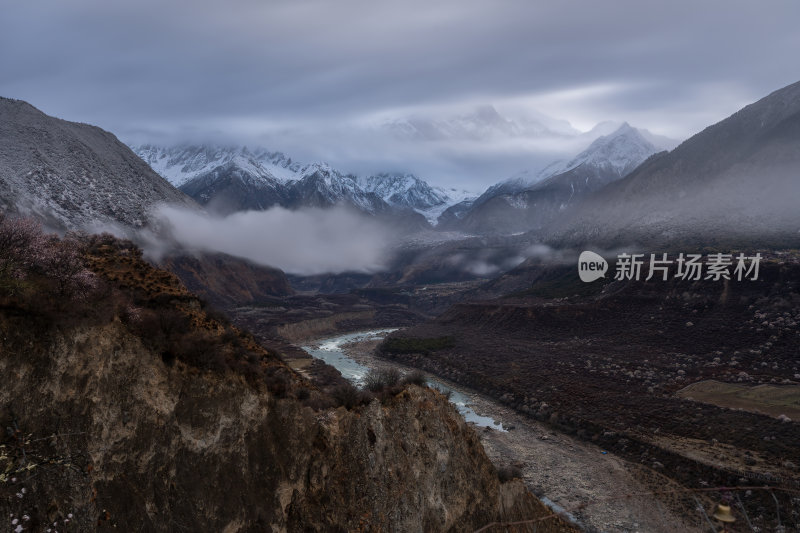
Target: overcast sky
289,71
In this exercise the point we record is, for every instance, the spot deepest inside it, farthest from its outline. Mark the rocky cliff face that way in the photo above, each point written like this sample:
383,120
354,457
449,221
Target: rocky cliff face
104,431
153,448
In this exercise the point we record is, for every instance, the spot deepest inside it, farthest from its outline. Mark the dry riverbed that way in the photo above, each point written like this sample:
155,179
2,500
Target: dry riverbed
602,491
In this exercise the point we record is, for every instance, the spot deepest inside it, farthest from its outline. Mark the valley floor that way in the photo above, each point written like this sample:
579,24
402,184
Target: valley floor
600,490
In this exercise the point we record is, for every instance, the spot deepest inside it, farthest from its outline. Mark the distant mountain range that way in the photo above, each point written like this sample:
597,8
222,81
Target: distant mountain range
73,175
531,200
739,176
231,178
737,181
234,178
180,164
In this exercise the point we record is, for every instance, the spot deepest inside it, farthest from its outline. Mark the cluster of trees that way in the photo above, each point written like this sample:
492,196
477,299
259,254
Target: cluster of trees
27,253
382,384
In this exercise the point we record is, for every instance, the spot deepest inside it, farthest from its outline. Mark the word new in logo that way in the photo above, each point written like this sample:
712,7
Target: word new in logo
591,266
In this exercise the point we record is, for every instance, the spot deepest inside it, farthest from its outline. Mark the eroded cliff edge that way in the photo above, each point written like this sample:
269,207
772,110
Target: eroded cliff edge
103,432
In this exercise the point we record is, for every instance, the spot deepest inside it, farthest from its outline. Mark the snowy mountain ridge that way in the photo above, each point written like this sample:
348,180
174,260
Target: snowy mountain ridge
617,152
409,190
542,195
265,178
404,189
182,163
620,151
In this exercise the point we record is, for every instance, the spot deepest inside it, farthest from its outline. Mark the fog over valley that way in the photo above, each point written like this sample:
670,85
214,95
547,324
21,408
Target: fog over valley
307,241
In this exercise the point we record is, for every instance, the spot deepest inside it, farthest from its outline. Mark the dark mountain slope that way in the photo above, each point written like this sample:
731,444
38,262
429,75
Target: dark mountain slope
229,188
512,206
72,174
736,180
228,281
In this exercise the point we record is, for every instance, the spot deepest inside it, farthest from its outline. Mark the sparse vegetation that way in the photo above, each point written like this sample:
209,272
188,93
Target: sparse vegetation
563,283
380,380
178,325
349,396
382,384
32,259
102,278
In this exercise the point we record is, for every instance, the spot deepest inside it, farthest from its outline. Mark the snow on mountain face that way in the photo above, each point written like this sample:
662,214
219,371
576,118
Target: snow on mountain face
745,164
408,190
253,179
404,190
322,186
458,201
607,159
74,175
234,178
229,188
180,164
512,185
619,152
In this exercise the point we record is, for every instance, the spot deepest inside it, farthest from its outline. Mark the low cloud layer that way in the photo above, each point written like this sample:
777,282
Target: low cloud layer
494,260
305,242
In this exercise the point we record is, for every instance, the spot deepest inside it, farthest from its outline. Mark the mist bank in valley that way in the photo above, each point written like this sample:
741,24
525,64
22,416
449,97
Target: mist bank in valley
747,205
304,242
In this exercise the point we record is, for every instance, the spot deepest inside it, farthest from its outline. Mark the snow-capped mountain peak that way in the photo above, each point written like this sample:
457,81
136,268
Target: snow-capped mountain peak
404,190
257,179
557,186
180,164
407,190
320,185
620,151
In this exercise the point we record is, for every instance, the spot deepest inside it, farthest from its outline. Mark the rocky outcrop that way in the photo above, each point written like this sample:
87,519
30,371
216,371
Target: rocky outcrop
103,434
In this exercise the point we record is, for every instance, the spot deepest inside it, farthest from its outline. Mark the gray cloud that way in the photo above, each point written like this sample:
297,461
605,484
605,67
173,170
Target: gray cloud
296,69
307,242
